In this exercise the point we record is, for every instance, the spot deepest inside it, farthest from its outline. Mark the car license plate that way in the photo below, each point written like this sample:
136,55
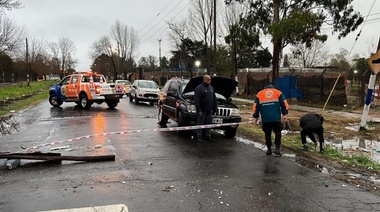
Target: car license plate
217,121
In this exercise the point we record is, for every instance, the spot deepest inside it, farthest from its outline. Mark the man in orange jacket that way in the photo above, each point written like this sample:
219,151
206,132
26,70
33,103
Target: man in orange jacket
270,103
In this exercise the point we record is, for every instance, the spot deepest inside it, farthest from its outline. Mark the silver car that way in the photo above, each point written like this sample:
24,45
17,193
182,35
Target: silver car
144,91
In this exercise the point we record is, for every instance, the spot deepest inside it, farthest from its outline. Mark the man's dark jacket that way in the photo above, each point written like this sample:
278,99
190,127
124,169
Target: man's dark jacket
311,121
205,99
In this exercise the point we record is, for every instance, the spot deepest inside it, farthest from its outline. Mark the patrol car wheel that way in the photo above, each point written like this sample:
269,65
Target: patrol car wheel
112,103
84,103
53,100
162,119
230,132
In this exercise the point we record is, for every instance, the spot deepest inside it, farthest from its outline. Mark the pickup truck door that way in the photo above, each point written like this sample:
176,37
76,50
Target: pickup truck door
171,99
72,89
63,86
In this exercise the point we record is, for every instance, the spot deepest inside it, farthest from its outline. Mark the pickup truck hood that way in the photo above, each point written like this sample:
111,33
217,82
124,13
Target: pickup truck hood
222,85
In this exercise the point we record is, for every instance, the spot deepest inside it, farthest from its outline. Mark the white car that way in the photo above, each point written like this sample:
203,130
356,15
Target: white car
144,91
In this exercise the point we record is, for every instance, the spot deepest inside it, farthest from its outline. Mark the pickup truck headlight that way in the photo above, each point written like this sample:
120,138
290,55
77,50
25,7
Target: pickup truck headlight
235,112
191,109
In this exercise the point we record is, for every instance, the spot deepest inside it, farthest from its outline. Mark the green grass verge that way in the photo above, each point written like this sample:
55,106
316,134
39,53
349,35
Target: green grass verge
293,142
38,89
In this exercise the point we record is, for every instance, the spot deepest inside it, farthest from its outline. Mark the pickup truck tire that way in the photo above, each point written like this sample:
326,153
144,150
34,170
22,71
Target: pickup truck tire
162,119
53,100
84,103
112,103
230,132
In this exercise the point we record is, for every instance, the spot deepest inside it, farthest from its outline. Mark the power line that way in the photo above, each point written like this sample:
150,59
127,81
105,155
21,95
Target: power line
162,20
156,16
358,35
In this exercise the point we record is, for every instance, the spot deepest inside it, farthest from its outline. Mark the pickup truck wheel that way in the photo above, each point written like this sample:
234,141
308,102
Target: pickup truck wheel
53,100
162,119
230,132
136,100
112,103
84,103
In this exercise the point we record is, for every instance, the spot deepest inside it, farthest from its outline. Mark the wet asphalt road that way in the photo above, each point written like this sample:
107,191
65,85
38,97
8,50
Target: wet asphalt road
158,171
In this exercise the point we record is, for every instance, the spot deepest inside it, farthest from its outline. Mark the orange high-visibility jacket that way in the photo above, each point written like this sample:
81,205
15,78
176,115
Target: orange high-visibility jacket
270,103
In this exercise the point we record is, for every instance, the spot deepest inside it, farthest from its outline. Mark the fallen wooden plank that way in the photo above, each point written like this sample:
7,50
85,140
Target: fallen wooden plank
30,153
55,156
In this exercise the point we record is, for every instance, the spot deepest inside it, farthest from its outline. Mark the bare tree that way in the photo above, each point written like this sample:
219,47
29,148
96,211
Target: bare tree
38,57
62,54
315,55
9,5
232,15
127,42
202,18
178,32
11,36
103,46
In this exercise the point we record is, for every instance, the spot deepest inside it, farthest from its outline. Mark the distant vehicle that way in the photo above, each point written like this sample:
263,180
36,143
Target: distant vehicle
177,103
144,91
85,88
126,86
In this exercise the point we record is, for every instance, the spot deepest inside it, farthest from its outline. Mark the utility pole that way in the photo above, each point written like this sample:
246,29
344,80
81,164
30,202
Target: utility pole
159,52
214,55
276,43
27,61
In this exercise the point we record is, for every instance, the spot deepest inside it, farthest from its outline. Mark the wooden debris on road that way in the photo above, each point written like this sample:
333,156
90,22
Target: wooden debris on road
55,156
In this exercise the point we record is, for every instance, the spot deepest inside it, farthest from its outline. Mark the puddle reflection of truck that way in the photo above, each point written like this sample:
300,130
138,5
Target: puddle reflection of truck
85,89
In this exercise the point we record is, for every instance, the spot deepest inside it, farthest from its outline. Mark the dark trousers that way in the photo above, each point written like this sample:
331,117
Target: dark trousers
205,118
310,132
270,127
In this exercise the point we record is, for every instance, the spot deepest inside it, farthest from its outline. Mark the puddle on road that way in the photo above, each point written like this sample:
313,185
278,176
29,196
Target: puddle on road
314,165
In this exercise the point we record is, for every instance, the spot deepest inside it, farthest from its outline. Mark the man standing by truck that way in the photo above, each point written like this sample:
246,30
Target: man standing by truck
206,105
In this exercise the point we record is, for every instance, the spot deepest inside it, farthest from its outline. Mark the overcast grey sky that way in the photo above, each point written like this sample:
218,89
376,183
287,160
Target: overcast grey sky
85,21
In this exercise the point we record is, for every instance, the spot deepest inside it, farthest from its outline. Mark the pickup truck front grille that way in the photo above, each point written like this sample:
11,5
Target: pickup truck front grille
225,112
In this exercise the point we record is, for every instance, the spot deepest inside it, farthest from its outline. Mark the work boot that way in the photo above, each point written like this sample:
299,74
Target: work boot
322,151
322,148
269,150
305,148
277,150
